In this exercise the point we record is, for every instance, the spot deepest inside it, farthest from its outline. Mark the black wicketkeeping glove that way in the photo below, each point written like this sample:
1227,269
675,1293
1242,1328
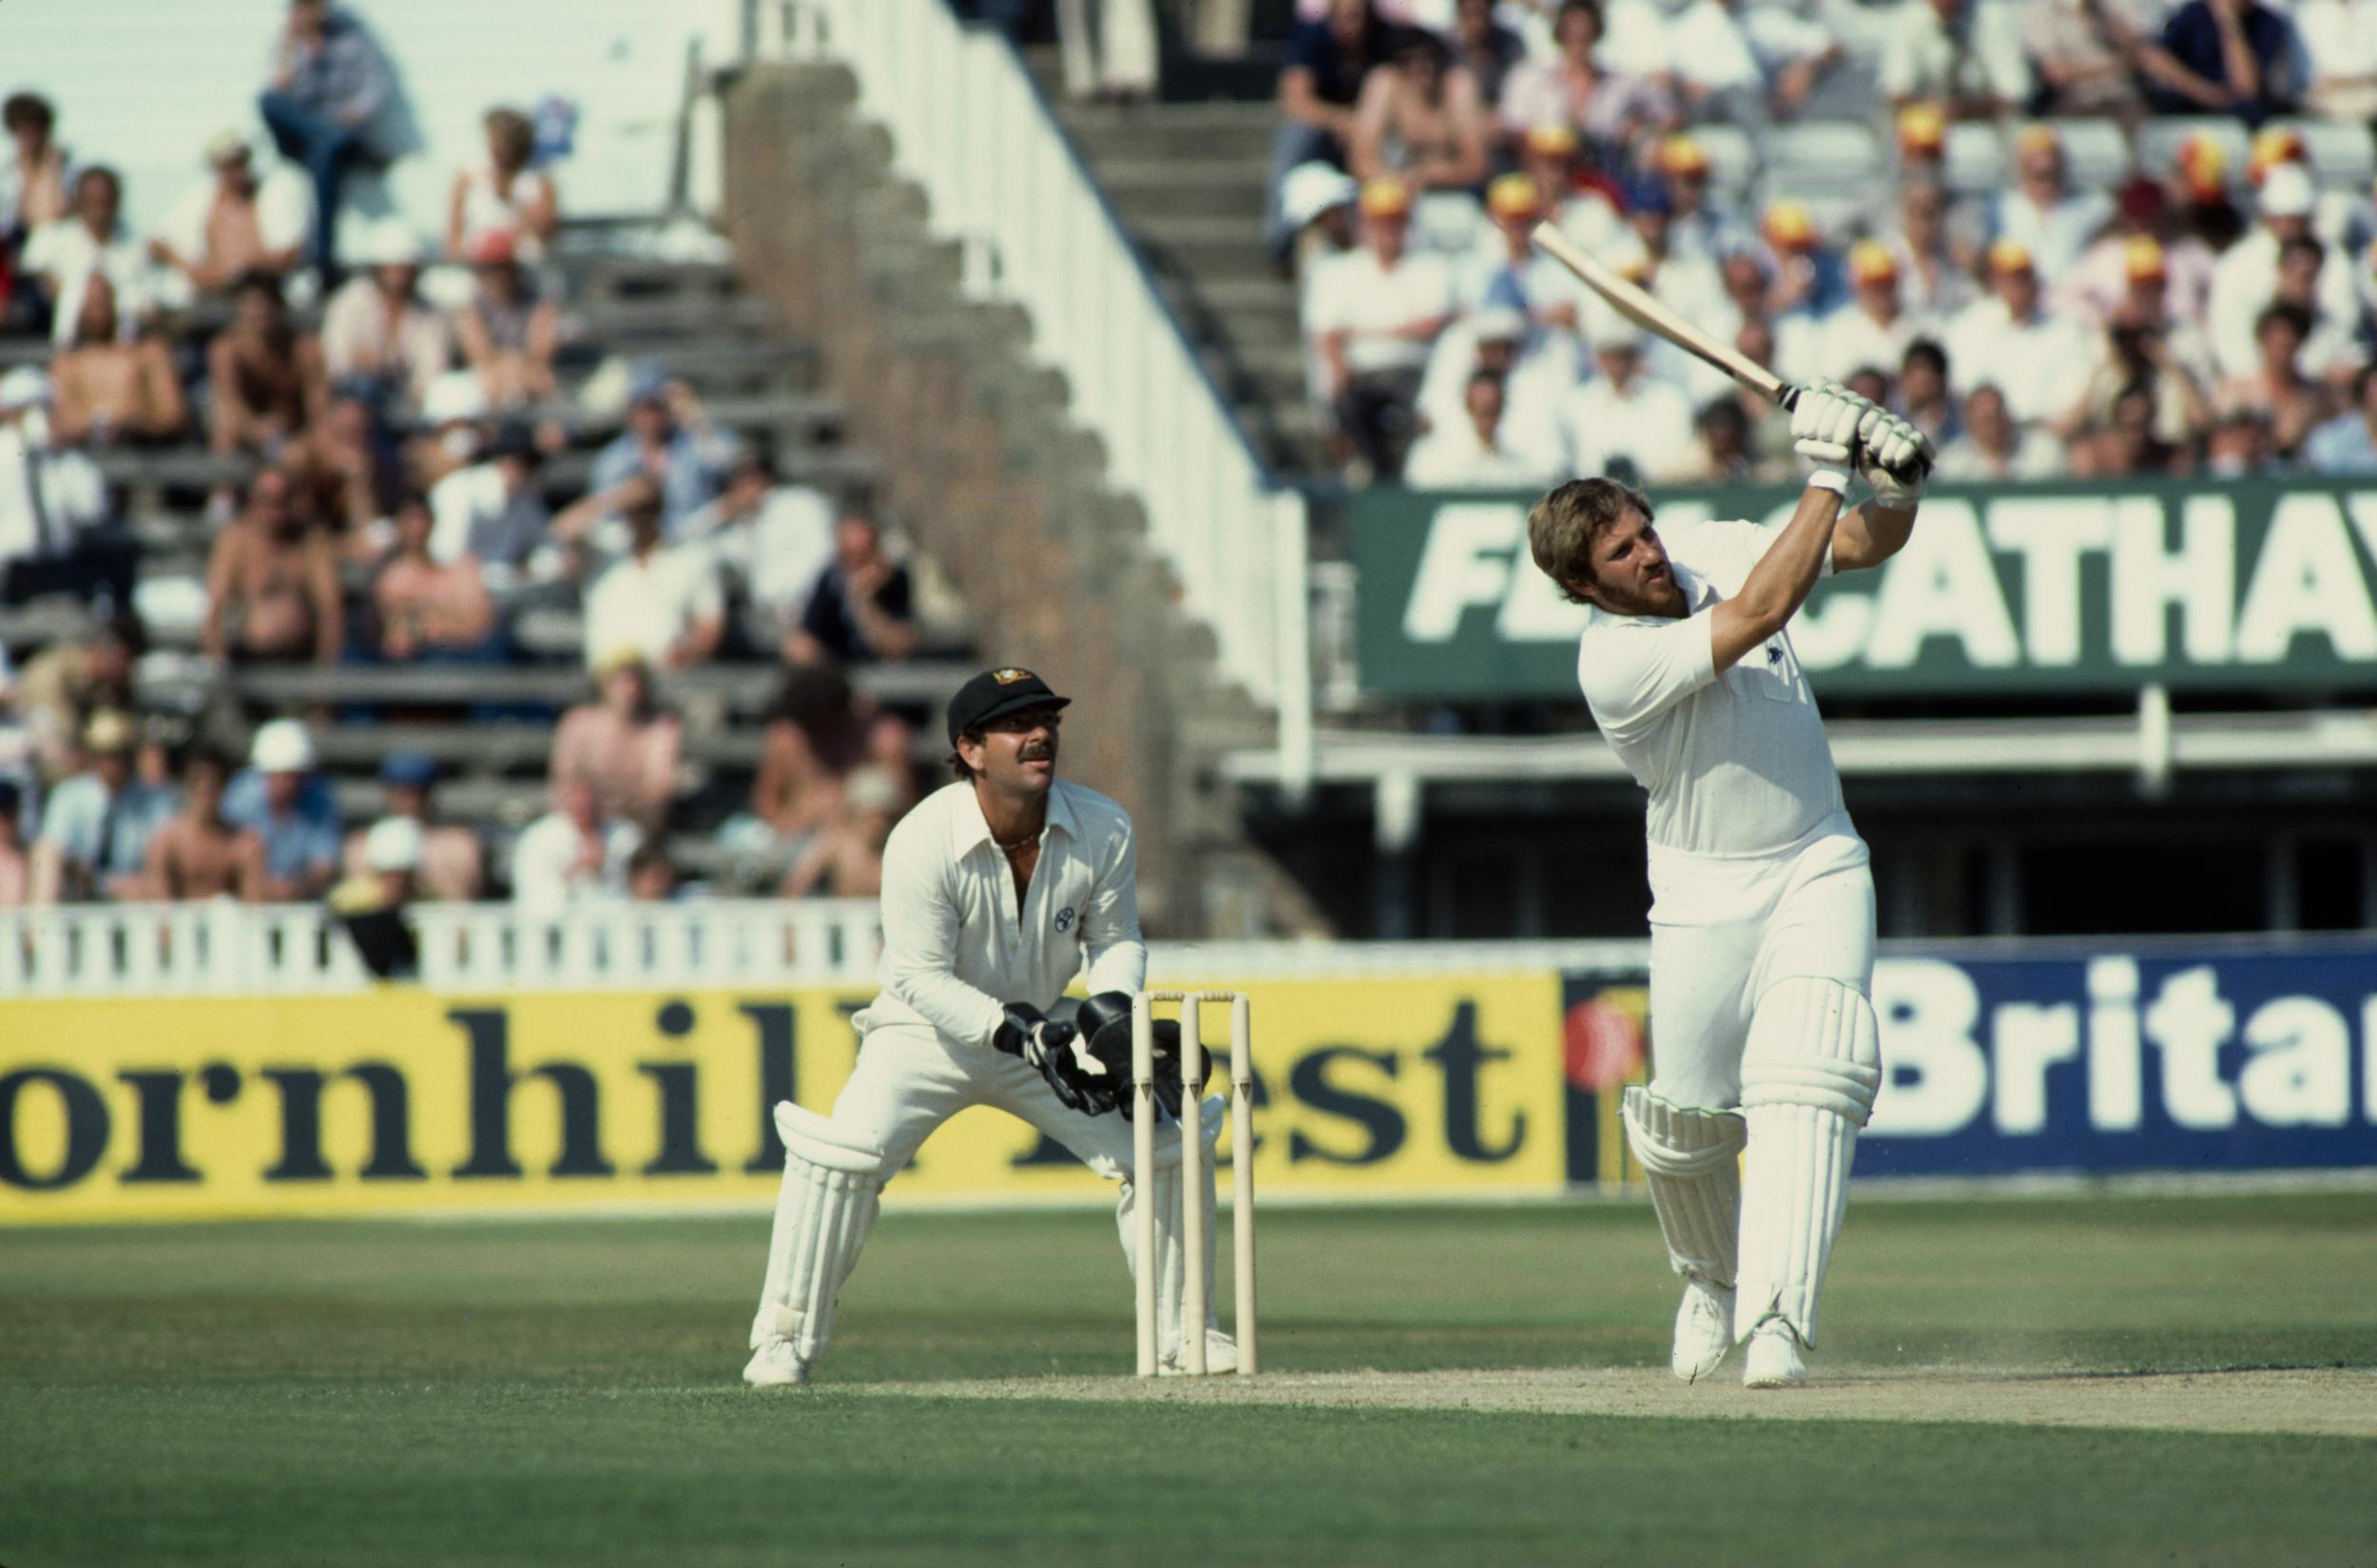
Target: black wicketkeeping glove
1105,1025
1078,1078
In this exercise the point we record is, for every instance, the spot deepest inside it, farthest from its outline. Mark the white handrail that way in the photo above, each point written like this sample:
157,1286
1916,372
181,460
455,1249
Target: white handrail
971,129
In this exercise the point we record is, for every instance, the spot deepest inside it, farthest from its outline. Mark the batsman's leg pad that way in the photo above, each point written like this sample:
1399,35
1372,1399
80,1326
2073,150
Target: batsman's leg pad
824,1211
1809,1073
1692,1159
1162,1188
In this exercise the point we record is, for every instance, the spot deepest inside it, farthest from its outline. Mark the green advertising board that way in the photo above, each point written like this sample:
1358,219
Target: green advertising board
2068,588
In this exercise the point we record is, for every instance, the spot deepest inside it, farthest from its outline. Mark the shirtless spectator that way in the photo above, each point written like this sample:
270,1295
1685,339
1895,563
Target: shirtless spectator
89,241
1422,118
502,195
862,608
272,581
347,477
817,733
507,333
378,327
264,378
453,863
1327,61
199,853
428,608
236,223
622,743
846,860
289,806
111,392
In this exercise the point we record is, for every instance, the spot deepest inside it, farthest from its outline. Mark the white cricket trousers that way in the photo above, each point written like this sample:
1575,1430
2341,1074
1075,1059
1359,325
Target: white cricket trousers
1725,928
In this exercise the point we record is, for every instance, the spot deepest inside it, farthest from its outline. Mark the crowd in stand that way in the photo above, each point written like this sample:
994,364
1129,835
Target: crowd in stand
386,407
2215,316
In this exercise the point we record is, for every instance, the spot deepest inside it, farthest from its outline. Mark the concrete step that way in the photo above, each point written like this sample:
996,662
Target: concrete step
1222,250
1227,131
1246,310
1155,187
643,319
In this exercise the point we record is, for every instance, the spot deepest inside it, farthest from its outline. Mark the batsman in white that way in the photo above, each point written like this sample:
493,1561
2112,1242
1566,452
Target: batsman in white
1762,916
998,890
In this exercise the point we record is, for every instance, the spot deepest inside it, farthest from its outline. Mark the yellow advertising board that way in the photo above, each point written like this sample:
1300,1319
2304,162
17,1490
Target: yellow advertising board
406,1101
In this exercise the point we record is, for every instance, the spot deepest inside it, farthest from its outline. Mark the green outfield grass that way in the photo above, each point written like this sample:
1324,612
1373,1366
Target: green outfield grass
565,1393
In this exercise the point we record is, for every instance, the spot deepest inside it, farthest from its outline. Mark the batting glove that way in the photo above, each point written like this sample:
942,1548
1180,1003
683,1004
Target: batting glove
1895,458
1823,423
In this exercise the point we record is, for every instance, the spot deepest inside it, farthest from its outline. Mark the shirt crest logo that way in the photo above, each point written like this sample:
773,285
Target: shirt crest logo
1064,918
1009,677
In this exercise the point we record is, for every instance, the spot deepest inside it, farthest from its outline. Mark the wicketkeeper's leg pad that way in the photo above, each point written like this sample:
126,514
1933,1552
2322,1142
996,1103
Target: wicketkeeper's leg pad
1809,1073
1691,1160
824,1211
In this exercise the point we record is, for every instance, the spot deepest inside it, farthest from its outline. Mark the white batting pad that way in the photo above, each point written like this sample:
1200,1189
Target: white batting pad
1163,1190
1690,1158
1809,1075
832,1191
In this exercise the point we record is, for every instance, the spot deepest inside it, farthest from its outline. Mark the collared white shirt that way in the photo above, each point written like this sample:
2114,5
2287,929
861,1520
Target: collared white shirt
1845,341
1453,457
2056,235
547,870
2242,283
957,948
73,498
2039,365
648,603
1735,764
1353,293
1649,425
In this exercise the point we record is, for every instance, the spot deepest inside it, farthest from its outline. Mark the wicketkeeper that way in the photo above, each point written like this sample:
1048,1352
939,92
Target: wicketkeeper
1762,916
998,890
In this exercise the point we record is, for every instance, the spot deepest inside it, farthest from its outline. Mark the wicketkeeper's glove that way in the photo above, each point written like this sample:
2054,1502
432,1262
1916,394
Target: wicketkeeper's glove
1078,1078
1106,1024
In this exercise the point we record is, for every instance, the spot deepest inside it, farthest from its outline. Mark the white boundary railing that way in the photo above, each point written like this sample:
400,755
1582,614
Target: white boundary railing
971,129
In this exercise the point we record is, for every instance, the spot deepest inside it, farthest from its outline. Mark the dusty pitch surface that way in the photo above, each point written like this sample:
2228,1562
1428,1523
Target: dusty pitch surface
2319,1401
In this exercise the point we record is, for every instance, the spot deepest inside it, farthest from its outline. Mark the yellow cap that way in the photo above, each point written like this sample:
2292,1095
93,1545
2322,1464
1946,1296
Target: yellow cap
1385,196
1922,128
2037,139
2273,145
2204,164
1513,196
1551,141
1871,261
1683,155
2010,255
1790,225
2141,259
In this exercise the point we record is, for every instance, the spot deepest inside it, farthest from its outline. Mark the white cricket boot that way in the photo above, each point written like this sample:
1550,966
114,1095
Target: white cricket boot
1221,1355
1773,1359
1704,1329
776,1365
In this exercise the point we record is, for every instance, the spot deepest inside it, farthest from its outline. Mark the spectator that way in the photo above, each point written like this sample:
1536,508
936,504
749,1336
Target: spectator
1421,119
1725,454
1690,285
769,540
1584,201
1804,276
432,609
346,473
96,825
198,853
1471,455
573,854
1710,68
1872,383
1318,89
2347,443
90,241
1317,205
2102,278
651,873
664,604
52,498
493,511
272,581
508,331
2239,445
1699,226
2339,40
289,806
1485,49
1536,366
453,413
2334,350
1510,273
846,860
1935,277
1373,313
378,328
1795,51
1965,56
2009,341
504,196
1571,89
1923,400
236,223
1994,447
452,862
2043,213
372,902
111,390
265,380
1624,423
2293,402
1109,48
622,743
863,607
2245,280
32,177
2138,350
16,870
2086,53
325,90
67,684
671,440
2224,57
2201,184
819,733
1874,328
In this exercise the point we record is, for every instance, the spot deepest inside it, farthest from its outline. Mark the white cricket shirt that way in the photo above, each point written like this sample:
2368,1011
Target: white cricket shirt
1736,763
957,948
